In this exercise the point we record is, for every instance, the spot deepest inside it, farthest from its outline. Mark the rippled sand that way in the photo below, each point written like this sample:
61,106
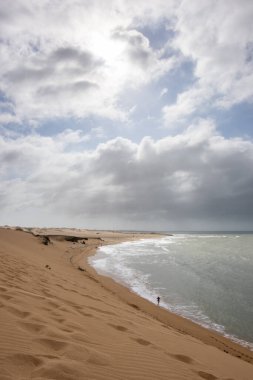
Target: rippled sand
60,320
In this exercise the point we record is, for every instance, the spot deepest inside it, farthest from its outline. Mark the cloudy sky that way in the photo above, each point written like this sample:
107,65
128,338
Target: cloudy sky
127,114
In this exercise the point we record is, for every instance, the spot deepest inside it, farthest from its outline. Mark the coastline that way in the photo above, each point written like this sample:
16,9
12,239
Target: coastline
60,319
211,326
175,321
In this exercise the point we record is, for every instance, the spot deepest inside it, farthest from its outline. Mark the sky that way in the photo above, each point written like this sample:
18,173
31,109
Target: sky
129,115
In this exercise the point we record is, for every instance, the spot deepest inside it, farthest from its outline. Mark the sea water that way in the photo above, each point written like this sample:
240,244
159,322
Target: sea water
207,278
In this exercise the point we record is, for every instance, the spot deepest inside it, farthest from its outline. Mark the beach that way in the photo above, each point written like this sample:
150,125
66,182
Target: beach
61,320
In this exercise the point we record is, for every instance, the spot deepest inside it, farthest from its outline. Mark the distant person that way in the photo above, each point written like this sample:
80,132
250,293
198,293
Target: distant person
158,301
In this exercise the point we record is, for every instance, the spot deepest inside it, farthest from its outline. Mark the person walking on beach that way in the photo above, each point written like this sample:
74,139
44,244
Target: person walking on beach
158,300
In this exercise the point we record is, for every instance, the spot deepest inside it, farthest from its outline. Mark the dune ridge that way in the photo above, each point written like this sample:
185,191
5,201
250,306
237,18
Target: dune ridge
60,320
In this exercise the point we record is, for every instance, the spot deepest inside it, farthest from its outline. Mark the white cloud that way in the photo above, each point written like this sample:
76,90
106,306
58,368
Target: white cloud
75,58
6,118
217,37
196,179
187,103
68,137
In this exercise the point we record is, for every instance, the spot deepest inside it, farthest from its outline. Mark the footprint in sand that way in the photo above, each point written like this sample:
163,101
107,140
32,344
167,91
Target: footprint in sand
32,327
46,293
64,309
143,342
77,307
183,358
118,327
98,358
53,304
75,291
207,376
6,297
54,313
86,314
74,327
79,337
17,312
52,344
65,329
134,306
58,371
58,320
27,362
44,356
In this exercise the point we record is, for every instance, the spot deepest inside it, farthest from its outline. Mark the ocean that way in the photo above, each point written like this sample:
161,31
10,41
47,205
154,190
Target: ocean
207,278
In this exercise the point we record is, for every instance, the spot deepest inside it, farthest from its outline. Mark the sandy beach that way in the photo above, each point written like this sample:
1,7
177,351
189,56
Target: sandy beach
60,320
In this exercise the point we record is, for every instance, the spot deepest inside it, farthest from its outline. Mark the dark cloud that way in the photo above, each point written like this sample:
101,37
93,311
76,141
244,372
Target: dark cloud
59,46
54,83
68,88
142,57
9,12
194,180
46,67
11,156
70,54
80,58
25,75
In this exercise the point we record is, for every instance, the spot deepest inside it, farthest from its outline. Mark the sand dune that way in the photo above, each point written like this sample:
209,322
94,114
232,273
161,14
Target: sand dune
60,320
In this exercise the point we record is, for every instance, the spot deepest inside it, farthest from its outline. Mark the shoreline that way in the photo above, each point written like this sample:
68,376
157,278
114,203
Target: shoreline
60,319
176,321
219,330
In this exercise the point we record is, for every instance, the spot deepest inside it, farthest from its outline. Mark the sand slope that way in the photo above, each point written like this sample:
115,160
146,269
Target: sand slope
64,324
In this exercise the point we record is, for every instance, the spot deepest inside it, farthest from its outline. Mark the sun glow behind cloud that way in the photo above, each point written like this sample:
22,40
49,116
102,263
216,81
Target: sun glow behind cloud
154,77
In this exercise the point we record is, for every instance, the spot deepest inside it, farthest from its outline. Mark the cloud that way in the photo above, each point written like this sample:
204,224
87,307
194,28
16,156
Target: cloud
188,102
75,58
7,115
196,179
6,118
217,37
62,83
137,47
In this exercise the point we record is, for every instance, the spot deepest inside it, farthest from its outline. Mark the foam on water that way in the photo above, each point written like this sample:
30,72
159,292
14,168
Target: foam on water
140,265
